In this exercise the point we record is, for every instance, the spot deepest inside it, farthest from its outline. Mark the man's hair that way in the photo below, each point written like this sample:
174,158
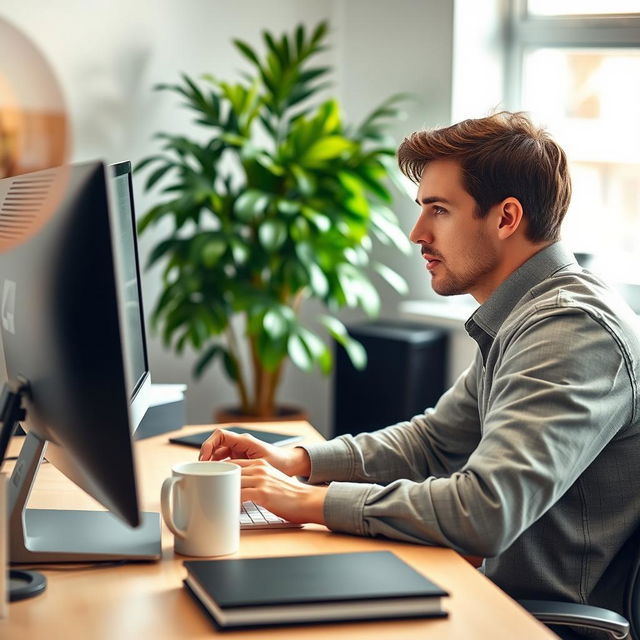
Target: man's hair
503,155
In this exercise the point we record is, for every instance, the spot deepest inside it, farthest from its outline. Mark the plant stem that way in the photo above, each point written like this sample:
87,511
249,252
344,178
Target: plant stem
262,404
241,384
274,383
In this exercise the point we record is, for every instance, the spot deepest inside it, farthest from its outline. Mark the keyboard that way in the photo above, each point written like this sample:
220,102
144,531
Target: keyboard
253,516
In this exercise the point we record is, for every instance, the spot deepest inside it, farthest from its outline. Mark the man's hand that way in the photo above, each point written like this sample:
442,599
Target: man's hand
280,494
223,444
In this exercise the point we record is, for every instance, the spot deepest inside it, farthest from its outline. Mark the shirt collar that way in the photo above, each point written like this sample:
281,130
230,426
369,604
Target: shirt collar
485,322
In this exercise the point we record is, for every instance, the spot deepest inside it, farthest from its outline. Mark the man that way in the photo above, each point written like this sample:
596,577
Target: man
530,460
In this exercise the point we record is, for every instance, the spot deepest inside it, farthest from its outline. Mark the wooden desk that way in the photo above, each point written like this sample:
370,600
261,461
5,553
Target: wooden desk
140,601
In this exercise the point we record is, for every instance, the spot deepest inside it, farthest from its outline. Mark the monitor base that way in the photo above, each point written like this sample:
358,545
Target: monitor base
53,535
25,584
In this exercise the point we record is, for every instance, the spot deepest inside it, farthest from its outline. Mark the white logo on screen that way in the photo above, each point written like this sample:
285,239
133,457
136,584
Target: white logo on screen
9,306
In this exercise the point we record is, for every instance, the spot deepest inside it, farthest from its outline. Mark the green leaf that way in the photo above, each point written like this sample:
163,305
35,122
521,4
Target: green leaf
312,74
247,51
351,183
251,203
314,344
199,331
327,149
230,366
212,251
329,117
371,178
319,33
305,252
357,353
147,161
370,126
205,360
153,215
240,251
285,49
275,324
273,47
271,352
322,222
300,39
266,161
348,286
384,220
319,351
395,280
157,175
304,180
368,297
319,283
300,231
335,328
325,360
272,234
354,349
161,249
299,353
288,207
234,139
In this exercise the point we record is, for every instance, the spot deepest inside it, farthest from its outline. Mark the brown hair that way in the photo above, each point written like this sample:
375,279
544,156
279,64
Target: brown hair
501,155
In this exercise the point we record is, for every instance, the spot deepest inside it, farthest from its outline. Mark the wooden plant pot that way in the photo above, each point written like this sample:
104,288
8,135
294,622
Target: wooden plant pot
285,413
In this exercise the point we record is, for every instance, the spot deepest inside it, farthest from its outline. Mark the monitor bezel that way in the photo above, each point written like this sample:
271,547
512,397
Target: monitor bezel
141,394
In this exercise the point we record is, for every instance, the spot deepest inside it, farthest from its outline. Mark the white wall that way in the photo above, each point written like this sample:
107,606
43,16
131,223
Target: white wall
108,55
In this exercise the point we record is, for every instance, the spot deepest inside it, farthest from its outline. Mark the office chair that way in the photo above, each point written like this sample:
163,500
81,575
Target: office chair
586,616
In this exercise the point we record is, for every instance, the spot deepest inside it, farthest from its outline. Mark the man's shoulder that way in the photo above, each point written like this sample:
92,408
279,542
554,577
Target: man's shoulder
582,292
577,306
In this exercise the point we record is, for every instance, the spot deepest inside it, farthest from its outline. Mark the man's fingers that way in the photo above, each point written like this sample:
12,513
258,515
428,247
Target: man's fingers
210,446
221,453
258,462
227,444
206,450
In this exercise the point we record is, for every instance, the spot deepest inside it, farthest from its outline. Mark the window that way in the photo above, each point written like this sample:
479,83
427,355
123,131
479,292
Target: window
574,65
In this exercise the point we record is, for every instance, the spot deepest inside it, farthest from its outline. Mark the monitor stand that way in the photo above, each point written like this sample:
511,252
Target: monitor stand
55,535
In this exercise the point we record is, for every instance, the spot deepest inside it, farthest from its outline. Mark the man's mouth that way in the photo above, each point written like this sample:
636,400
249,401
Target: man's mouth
432,263
432,260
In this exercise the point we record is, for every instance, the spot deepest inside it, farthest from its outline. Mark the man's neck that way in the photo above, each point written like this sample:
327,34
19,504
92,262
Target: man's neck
514,256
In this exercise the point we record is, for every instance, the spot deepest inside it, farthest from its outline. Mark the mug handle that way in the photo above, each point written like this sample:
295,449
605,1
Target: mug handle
166,502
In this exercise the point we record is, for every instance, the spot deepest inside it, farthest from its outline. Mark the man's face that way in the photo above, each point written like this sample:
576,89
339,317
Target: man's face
461,251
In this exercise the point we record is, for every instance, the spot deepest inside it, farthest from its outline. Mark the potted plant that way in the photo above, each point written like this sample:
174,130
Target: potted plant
279,202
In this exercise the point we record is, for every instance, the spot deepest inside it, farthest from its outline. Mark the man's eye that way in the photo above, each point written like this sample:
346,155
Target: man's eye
439,210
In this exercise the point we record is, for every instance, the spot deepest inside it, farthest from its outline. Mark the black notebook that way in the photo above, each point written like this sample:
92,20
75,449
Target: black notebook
196,439
313,588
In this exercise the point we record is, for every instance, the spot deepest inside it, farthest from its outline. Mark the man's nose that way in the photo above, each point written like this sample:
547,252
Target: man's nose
421,234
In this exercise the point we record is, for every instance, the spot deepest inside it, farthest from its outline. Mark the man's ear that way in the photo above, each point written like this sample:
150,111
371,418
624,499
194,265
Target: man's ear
510,217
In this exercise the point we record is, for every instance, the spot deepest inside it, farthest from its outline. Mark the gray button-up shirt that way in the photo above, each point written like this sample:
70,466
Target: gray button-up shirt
531,459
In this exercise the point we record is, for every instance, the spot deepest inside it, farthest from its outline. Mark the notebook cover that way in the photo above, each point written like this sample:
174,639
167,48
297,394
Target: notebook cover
197,439
290,580
438,614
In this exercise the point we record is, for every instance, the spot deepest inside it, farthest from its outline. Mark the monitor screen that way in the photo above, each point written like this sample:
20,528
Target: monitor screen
136,362
133,329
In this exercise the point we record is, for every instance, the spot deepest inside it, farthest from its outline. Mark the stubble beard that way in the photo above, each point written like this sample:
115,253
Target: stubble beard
454,284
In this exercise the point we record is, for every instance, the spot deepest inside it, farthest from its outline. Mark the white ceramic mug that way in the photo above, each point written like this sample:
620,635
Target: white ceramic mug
201,507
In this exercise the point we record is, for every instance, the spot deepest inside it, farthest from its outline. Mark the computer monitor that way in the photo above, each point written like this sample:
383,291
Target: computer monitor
73,338
136,362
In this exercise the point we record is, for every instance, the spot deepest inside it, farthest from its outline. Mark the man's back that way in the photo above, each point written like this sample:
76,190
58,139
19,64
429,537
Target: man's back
574,347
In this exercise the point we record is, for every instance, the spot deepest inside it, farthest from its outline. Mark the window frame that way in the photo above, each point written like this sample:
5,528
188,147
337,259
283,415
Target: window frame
526,32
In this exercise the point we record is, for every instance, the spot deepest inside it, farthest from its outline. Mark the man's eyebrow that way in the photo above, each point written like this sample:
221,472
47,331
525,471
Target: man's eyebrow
432,199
